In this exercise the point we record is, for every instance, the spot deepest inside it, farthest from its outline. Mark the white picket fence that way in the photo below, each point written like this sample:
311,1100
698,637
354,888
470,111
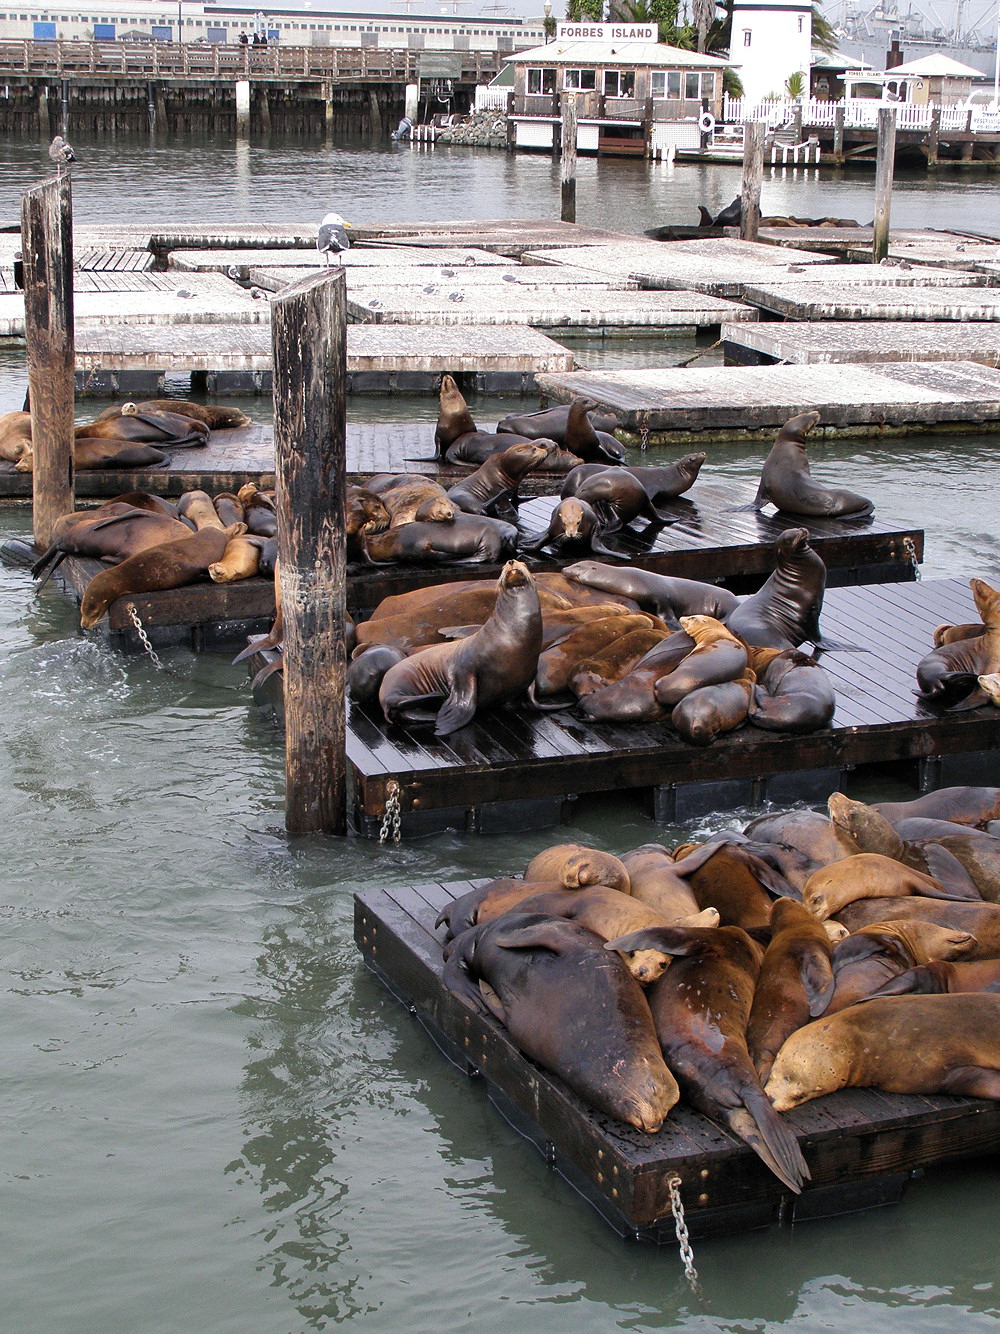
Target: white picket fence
491,99
859,113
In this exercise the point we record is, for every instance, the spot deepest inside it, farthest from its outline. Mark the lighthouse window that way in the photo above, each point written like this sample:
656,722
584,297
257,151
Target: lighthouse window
747,34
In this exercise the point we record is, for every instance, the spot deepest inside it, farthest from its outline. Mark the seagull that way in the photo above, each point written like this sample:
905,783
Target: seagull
61,153
333,238
456,296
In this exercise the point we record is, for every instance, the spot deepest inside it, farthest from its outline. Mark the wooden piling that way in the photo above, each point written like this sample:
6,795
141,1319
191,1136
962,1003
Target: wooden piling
838,135
753,172
47,247
934,137
884,162
308,330
567,159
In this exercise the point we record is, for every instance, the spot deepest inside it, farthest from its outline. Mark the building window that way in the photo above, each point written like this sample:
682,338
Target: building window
541,82
657,83
747,35
708,86
619,83
580,80
692,87
802,23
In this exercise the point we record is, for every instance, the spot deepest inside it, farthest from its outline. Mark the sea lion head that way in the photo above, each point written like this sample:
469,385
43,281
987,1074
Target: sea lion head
129,409
991,684
524,457
793,542
797,428
809,1064
646,966
224,419
705,629
572,518
987,603
364,512
690,465
871,831
247,492
436,509
514,575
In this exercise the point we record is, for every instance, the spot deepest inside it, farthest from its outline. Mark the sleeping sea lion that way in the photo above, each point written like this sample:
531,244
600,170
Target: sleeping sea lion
869,875
488,902
717,656
259,512
667,596
558,662
240,560
575,866
15,436
662,883
614,661
940,977
948,675
981,920
711,710
785,612
794,694
550,983
869,958
973,806
229,508
365,672
197,508
468,539
811,833
150,428
217,417
111,534
492,488
550,423
420,501
901,1044
785,480
631,698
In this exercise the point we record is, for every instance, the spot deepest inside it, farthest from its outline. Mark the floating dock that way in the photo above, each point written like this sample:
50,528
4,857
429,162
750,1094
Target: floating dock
862,1146
391,257
872,341
696,406
514,755
853,301
469,281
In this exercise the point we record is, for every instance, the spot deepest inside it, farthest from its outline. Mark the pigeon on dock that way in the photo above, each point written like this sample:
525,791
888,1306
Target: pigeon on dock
332,238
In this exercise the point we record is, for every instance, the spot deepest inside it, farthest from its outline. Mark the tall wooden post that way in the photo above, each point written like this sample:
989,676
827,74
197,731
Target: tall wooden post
567,158
47,248
838,134
885,154
934,137
753,172
310,372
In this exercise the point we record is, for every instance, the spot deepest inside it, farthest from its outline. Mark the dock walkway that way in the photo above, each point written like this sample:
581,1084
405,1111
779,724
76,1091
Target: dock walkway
801,343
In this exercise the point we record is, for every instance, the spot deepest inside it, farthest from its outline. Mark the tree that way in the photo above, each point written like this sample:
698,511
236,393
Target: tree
579,11
795,85
661,12
704,13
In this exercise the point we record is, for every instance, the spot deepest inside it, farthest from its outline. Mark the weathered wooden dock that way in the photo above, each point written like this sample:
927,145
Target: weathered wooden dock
676,405
868,341
366,257
856,301
466,279
867,276
514,755
862,1146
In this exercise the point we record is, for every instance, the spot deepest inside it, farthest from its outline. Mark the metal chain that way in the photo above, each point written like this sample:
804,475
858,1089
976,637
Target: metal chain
910,553
643,430
133,616
702,353
390,820
680,1228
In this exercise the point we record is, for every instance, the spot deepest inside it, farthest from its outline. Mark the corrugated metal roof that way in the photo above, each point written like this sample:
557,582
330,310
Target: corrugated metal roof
656,54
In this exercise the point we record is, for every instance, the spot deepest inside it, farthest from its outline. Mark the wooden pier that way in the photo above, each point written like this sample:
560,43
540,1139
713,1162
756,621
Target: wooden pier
855,301
358,257
870,341
515,755
861,1145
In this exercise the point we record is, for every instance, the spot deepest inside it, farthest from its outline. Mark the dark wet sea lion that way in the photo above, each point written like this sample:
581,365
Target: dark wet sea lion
981,920
229,508
663,594
941,977
144,500
91,455
495,664
717,656
365,673
492,488
900,1044
572,524
795,694
700,1008
567,1009
475,447
672,480
110,534
582,439
615,493
454,417
811,833
948,675
469,539
217,417
785,612
150,428
709,711
785,480
550,423
168,565
575,866
795,984
631,698
259,512
973,806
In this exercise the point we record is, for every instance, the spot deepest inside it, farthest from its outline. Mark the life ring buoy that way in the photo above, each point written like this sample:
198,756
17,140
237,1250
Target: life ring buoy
706,122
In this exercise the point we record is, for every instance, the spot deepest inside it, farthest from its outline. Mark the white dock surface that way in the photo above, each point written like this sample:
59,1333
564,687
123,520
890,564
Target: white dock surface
853,301
868,341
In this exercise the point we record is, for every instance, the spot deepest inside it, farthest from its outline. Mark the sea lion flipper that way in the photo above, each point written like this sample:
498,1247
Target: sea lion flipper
944,866
543,934
493,1002
975,700
458,709
667,939
458,631
694,861
773,1140
817,977
973,1081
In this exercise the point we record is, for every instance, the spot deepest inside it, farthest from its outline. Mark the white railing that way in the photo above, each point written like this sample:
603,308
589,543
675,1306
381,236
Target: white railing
491,99
859,113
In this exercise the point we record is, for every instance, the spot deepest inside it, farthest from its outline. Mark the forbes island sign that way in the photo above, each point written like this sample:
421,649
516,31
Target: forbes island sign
606,32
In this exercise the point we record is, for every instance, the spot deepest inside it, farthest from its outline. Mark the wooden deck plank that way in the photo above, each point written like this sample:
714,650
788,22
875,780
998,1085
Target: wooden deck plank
369,256
855,301
864,341
446,278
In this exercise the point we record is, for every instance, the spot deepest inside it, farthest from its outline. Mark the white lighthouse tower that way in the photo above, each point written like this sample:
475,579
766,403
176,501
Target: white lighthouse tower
771,40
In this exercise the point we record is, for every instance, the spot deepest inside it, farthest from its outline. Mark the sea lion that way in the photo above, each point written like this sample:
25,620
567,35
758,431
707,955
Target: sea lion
616,494
572,523
144,500
785,612
489,901
901,1044
469,539
662,883
491,666
717,656
558,662
973,806
364,513
795,984
672,480
700,1009
15,436
567,1009
550,423
422,501
91,455
785,480
259,512
941,977
708,711
217,417
150,428
872,956
229,508
614,661
365,673
981,920
492,488
732,881
950,634
197,508
475,447
576,866
168,565
811,833
948,675
795,694
240,560
663,594
869,875
111,534
631,698
454,417
588,444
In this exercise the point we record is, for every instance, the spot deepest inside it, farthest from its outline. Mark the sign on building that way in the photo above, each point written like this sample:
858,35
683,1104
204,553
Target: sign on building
606,32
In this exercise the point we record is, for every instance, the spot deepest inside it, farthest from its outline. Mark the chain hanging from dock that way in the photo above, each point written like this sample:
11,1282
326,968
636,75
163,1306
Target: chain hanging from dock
390,820
680,1228
643,430
910,553
133,616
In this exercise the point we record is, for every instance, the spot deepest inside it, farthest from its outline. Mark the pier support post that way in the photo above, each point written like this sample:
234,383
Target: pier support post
885,155
838,136
243,107
328,110
411,101
567,158
934,137
308,324
47,247
265,109
44,123
753,172
374,112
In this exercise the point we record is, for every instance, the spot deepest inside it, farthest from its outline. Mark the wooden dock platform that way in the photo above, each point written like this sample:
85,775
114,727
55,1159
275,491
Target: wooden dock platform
871,276
855,301
367,257
861,1145
681,406
390,358
856,242
948,250
513,754
448,278
861,341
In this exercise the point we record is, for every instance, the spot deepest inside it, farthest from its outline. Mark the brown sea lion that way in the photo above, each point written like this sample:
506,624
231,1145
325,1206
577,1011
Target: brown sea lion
795,694
901,1044
468,539
197,508
613,662
576,866
869,875
700,1009
872,956
582,439
15,436
454,417
550,423
169,565
151,428
145,500
557,663
950,634
786,482
493,665
973,806
567,1009
709,711
91,455
229,508
809,832
422,501
240,560
492,488
111,534
948,675
217,417
730,880
662,883
990,686
981,920
631,698
940,977
489,901
717,656
663,594
785,612
795,984
364,513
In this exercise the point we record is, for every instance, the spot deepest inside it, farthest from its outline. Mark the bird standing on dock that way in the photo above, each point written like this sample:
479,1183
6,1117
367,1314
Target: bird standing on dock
61,153
333,238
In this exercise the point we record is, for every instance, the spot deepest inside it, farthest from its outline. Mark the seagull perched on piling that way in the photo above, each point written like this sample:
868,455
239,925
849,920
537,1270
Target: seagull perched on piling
61,153
333,238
